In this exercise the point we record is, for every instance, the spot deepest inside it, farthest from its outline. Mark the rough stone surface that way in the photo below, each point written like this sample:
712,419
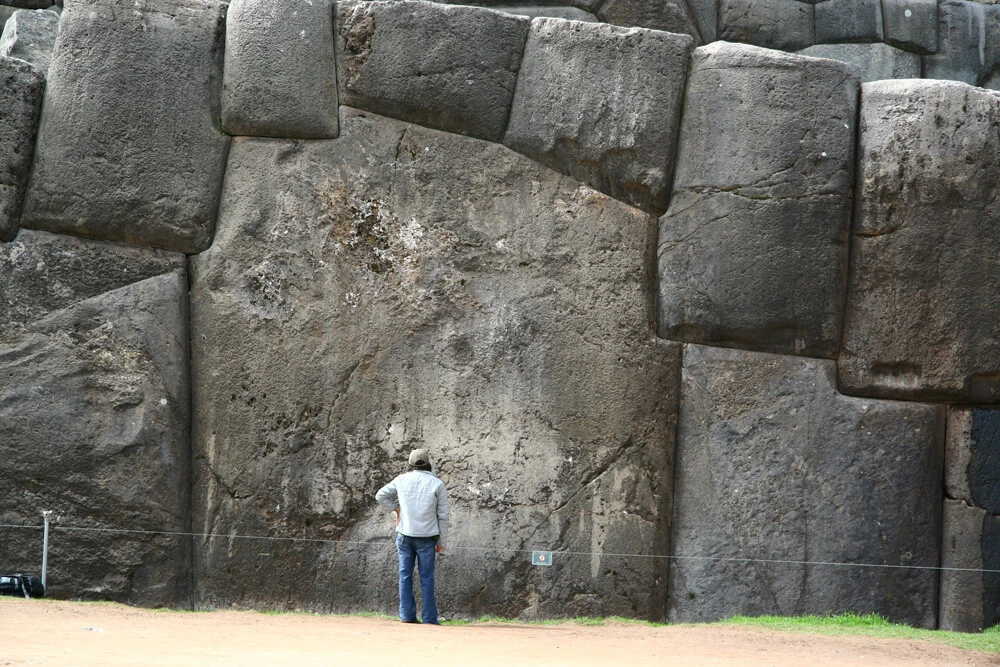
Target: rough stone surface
874,62
128,147
921,320
968,42
588,5
602,104
774,464
911,24
534,11
30,36
398,286
94,414
5,13
42,272
265,41
969,601
30,4
753,250
776,24
21,89
972,465
668,15
848,21
706,15
448,67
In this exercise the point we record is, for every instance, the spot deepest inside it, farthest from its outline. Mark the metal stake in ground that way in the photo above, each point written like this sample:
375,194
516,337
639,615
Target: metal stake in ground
45,547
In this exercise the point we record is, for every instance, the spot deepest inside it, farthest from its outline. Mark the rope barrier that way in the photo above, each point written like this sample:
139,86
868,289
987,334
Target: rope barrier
316,540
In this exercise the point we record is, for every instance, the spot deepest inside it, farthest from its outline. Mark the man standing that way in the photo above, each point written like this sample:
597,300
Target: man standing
420,503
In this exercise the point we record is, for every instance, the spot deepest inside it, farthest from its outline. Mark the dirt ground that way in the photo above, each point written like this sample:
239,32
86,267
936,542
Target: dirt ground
43,632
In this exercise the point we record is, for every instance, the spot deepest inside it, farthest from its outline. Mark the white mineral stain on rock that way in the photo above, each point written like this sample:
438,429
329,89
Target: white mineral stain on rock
410,234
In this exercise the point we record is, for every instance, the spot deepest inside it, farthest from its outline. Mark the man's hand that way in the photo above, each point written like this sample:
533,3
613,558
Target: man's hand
397,514
439,549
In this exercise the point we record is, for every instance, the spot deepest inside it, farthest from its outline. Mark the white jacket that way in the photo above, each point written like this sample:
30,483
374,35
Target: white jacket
422,502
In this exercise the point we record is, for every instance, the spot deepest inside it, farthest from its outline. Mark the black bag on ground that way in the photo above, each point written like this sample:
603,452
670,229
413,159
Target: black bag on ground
21,585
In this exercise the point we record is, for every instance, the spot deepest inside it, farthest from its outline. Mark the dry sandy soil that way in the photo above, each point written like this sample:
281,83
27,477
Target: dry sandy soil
43,632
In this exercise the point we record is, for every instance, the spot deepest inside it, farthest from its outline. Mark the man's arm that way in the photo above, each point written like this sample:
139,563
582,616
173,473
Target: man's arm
387,497
443,515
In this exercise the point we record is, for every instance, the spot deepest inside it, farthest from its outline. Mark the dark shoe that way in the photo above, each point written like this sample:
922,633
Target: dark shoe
410,621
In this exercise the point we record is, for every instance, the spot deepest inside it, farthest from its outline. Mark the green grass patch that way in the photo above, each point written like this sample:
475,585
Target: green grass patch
872,625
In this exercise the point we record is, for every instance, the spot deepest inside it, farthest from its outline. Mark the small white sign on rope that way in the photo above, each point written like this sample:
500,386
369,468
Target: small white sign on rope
541,558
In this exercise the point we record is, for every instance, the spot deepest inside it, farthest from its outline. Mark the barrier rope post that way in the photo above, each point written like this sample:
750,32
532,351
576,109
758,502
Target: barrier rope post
45,546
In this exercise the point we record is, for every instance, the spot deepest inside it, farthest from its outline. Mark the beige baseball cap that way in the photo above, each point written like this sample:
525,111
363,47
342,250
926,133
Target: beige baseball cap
419,457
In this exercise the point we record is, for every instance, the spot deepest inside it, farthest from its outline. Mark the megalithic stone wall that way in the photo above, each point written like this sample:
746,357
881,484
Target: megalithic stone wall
970,598
753,250
347,316
129,147
372,284
94,415
921,320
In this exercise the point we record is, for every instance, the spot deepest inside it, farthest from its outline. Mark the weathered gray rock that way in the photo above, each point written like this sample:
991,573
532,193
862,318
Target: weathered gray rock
921,320
774,465
400,285
753,250
5,13
602,104
706,15
21,89
972,464
668,15
776,24
970,600
848,21
968,42
590,6
29,4
534,11
280,74
30,36
911,24
94,414
128,148
42,272
874,62
451,68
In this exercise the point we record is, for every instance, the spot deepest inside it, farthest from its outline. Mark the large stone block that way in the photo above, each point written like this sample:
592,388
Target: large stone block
30,36
968,42
280,74
30,4
590,6
602,104
911,24
776,470
668,15
921,320
753,250
21,89
840,21
557,12
776,24
970,556
42,272
874,62
128,146
706,15
972,464
448,67
397,286
94,414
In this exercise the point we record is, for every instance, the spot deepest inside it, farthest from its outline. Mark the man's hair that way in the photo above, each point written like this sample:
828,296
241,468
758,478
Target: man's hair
426,466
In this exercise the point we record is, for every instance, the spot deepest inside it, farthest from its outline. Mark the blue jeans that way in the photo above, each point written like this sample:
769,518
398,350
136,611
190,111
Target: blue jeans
421,551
